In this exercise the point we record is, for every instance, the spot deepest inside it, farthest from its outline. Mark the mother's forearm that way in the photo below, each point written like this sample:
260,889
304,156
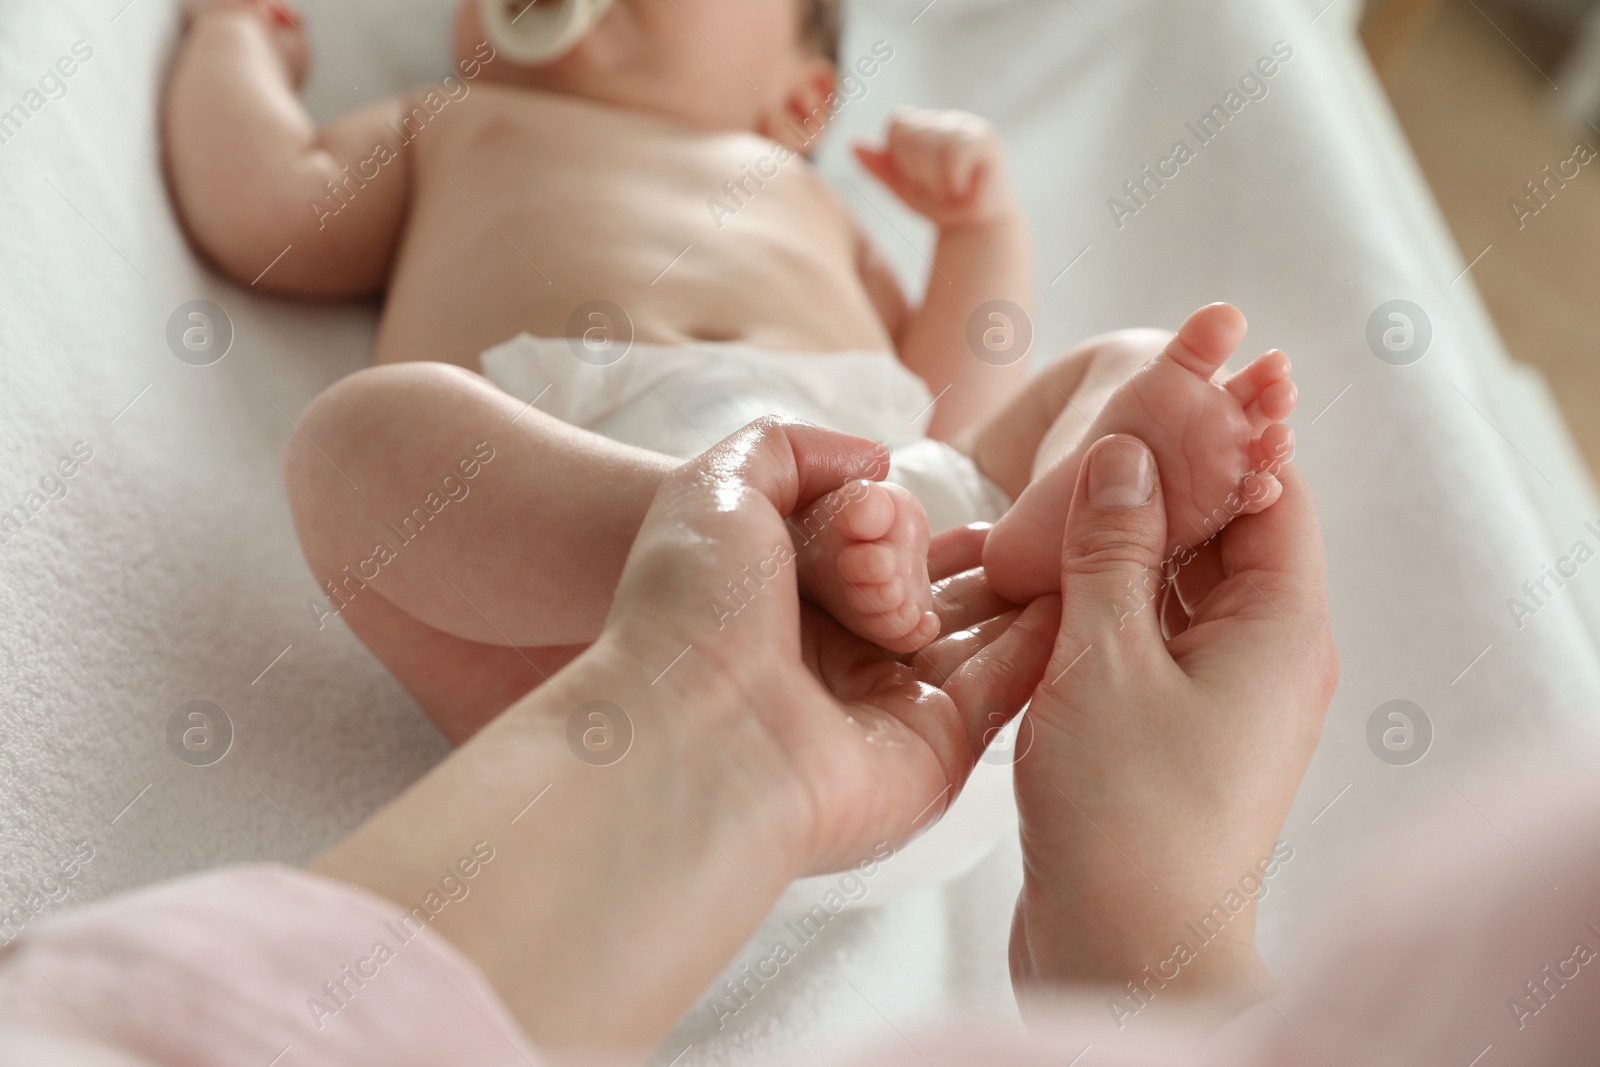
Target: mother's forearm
613,894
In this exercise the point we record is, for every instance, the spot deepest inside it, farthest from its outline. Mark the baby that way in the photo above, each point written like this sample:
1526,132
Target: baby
628,236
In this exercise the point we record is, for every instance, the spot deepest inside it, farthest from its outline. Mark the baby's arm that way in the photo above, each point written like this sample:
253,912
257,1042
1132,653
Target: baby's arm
950,167
247,164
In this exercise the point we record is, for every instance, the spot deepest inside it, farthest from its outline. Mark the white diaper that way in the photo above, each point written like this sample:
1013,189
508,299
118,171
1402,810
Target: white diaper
682,399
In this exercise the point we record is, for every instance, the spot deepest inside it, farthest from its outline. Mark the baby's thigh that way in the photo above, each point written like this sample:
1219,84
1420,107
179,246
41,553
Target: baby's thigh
391,431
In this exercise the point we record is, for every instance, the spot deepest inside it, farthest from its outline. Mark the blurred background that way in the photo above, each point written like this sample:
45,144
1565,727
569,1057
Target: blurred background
1491,92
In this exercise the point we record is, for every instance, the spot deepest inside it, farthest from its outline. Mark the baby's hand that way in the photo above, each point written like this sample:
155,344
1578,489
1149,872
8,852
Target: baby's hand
284,24
278,12
949,166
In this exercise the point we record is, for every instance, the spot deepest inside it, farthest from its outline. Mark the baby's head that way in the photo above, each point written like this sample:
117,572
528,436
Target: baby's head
720,64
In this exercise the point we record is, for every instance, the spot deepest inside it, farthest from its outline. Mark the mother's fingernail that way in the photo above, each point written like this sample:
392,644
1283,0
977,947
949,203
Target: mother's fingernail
1122,473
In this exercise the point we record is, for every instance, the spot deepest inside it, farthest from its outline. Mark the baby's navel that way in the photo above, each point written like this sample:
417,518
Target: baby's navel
715,334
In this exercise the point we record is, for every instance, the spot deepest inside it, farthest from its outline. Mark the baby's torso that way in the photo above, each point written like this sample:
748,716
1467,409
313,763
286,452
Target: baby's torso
528,208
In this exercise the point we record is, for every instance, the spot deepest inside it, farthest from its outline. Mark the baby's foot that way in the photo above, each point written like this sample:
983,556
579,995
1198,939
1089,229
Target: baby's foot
863,558
1216,446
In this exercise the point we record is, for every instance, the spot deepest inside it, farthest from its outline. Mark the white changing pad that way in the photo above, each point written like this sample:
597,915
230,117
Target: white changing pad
168,572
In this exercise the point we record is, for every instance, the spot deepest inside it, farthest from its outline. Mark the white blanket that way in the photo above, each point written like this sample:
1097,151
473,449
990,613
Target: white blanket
168,570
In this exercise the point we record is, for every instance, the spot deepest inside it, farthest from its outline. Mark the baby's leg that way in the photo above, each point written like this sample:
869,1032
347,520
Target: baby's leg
469,588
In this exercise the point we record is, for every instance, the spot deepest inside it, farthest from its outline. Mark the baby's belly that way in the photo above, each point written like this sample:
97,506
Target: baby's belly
781,281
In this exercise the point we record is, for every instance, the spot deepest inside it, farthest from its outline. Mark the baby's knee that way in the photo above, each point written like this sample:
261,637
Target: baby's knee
396,387
367,413
378,402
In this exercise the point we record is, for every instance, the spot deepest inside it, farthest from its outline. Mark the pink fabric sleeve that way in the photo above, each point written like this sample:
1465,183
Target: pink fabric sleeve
248,966
1465,951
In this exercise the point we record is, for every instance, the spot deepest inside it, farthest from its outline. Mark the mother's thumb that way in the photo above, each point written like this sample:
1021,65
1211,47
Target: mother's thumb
1111,551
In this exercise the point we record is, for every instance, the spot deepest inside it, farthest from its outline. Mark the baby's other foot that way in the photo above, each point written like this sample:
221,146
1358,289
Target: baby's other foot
1216,445
863,558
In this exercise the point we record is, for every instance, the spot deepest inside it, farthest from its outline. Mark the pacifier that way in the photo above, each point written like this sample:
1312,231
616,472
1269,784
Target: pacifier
542,30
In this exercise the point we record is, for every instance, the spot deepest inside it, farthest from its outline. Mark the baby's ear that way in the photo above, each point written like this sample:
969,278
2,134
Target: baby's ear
800,117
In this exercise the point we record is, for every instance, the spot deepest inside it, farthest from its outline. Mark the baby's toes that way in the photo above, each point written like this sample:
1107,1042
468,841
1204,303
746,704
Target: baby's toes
1268,453
918,630
1205,340
1263,374
872,564
1275,403
866,601
1269,367
1273,448
869,513
868,566
903,629
1260,491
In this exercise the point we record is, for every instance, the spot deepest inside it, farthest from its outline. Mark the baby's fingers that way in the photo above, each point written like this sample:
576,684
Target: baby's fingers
965,169
916,155
879,163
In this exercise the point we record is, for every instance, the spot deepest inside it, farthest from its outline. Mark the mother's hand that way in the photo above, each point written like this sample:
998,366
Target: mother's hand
743,739
862,747
1168,761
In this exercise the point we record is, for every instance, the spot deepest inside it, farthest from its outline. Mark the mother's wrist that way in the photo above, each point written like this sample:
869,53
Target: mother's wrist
628,866
693,724
1152,950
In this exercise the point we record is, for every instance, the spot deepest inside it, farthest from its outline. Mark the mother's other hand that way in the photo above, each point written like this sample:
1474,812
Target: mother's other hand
1161,770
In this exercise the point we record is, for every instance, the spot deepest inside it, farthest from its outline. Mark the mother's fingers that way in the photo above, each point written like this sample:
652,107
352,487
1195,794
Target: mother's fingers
788,463
993,684
1275,574
957,549
1112,548
935,663
791,463
1290,537
1196,578
714,548
1278,554
965,599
